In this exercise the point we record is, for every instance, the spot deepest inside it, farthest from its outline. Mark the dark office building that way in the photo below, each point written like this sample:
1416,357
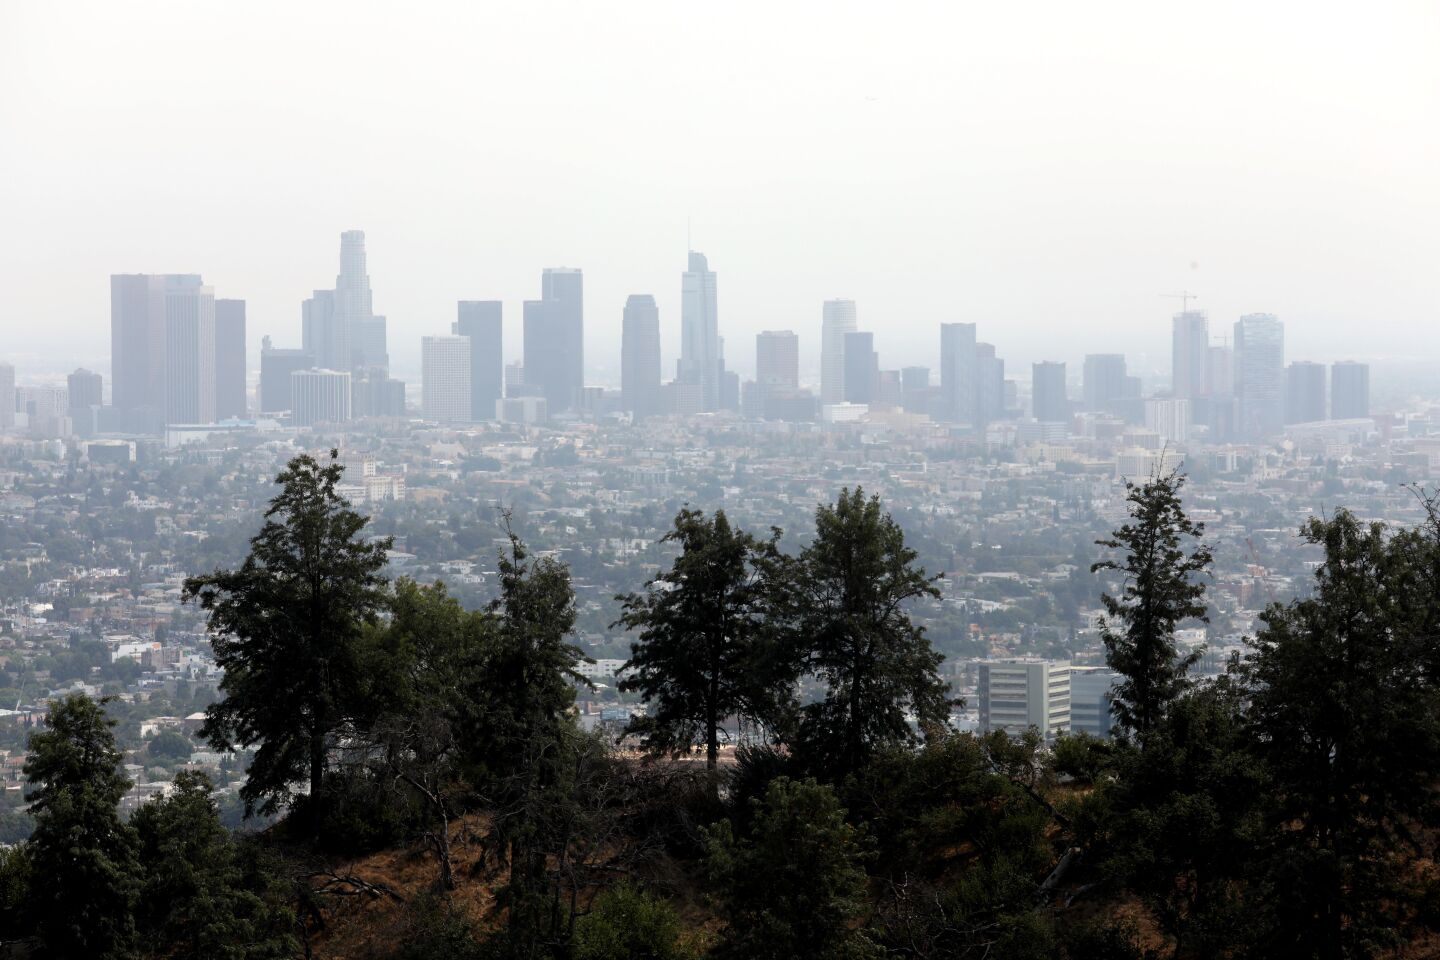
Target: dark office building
1349,390
554,339
1304,392
862,368
480,320
640,356
276,365
1047,392
230,360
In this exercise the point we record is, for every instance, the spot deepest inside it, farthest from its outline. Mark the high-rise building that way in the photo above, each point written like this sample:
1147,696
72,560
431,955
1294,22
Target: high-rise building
915,392
700,330
959,384
1047,392
85,391
480,320
862,367
1260,374
1170,417
838,319
141,355
320,396
1104,382
1349,390
162,350
45,411
1220,371
989,384
374,393
1190,353
7,398
640,356
1019,693
354,308
189,352
340,326
322,335
85,388
555,340
1304,392
777,360
276,365
445,378
230,360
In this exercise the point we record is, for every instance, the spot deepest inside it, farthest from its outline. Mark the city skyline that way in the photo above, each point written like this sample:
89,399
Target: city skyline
982,181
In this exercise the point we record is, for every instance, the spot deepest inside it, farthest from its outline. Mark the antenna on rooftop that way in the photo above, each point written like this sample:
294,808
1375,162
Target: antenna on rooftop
1184,296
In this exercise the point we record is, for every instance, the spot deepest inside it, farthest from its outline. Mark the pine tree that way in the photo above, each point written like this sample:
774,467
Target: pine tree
528,742
195,903
847,623
287,628
1350,730
701,656
83,881
1160,590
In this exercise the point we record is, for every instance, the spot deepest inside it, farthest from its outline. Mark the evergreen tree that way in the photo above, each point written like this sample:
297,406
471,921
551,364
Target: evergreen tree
194,902
1350,730
428,673
1160,590
701,655
83,879
287,628
847,624
527,742
793,887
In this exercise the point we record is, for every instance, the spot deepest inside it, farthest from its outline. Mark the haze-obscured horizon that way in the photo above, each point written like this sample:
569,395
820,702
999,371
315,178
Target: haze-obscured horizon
1044,171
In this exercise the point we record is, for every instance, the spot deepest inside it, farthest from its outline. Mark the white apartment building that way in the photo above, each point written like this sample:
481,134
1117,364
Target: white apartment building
1020,693
445,378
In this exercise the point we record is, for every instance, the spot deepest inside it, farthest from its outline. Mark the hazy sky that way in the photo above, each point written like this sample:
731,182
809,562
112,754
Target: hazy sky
1044,169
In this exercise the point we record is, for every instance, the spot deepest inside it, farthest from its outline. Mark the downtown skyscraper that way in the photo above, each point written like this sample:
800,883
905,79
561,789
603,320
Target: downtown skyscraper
837,319
1190,354
230,360
339,327
700,360
959,373
445,379
640,373
1260,374
162,349
1349,390
554,339
480,321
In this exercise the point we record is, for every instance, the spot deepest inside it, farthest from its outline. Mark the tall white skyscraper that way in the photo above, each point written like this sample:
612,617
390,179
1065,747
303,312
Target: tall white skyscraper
640,356
838,318
1190,354
445,378
189,351
354,308
1260,374
162,350
959,373
700,331
340,327
554,339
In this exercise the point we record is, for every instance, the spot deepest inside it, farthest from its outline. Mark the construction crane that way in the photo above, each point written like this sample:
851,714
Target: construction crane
1265,571
1184,296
